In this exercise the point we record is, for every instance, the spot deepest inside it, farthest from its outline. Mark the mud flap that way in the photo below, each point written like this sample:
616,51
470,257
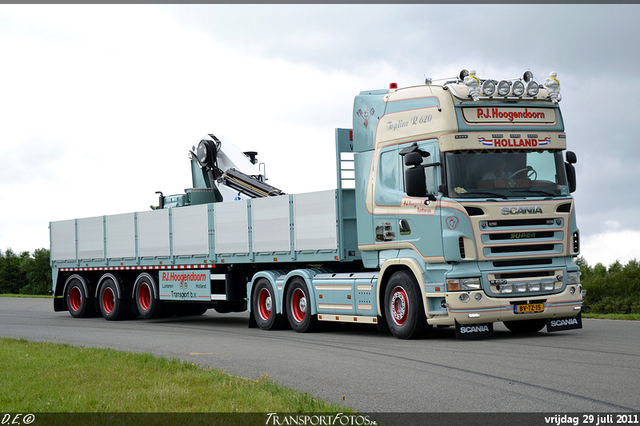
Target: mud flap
560,324
58,304
474,331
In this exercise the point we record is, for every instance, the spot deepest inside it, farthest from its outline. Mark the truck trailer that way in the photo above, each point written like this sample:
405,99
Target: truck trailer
452,207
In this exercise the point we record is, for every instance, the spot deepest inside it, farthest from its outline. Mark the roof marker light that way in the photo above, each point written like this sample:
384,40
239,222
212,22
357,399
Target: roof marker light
393,85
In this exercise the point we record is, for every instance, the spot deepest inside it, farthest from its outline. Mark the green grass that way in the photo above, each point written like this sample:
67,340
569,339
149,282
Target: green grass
58,378
629,317
31,296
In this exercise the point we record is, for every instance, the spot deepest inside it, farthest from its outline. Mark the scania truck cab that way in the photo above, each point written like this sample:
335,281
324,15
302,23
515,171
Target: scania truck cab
469,183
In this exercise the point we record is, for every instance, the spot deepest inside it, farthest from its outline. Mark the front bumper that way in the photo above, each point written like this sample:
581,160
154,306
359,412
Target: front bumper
567,303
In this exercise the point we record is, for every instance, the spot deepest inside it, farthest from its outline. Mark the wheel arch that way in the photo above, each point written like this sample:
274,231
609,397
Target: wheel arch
307,276
394,265
85,285
116,279
272,277
154,285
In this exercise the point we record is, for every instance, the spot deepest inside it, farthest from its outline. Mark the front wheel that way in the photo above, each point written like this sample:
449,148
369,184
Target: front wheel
526,326
299,307
403,307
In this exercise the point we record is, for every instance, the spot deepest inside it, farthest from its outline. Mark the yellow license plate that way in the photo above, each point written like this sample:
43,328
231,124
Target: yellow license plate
528,308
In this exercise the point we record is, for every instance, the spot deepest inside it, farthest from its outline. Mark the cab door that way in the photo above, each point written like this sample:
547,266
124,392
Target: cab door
419,223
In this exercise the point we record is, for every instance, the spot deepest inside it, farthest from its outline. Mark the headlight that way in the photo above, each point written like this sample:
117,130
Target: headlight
548,285
506,288
488,88
573,278
534,287
459,284
503,88
518,88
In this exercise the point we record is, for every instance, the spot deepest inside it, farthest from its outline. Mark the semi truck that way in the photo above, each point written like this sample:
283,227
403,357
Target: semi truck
452,207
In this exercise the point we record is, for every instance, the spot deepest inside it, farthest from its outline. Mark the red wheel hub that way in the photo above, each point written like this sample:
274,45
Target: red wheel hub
75,299
265,304
399,305
108,300
298,305
144,296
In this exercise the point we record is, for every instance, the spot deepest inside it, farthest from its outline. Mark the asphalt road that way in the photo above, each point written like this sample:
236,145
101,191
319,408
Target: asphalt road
596,369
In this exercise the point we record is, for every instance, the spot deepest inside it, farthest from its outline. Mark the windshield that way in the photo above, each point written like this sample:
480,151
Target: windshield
503,174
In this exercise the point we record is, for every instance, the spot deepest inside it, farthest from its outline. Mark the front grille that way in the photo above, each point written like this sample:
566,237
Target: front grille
521,235
521,262
522,249
519,222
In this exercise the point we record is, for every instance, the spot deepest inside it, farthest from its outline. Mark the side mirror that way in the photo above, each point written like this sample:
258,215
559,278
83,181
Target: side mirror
415,183
571,176
571,157
412,159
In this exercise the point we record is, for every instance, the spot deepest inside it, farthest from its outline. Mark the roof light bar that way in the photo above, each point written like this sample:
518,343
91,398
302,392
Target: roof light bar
518,87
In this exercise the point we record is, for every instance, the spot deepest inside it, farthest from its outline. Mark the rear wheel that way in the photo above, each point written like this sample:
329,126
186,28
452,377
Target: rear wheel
148,306
112,307
77,300
403,307
527,326
299,307
263,306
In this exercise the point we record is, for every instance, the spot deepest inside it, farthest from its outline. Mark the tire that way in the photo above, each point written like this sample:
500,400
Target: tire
526,326
263,306
299,307
113,308
403,307
148,306
77,301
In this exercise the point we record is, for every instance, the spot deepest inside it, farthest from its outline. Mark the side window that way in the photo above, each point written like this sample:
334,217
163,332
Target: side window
430,173
388,175
389,181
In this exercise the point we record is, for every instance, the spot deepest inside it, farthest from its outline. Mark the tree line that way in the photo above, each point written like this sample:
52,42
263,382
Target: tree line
610,290
25,273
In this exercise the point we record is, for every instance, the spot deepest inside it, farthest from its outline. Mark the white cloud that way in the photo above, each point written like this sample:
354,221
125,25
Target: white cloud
607,247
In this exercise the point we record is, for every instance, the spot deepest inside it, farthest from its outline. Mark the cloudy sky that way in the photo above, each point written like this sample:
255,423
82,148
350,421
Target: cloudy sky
99,104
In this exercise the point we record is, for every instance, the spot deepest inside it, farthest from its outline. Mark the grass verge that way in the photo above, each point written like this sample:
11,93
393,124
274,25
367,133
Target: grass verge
58,378
629,317
30,296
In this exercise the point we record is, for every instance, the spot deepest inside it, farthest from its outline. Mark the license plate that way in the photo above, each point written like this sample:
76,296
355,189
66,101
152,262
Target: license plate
528,308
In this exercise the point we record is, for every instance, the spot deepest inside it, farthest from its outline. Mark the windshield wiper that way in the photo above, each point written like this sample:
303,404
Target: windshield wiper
538,191
495,194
